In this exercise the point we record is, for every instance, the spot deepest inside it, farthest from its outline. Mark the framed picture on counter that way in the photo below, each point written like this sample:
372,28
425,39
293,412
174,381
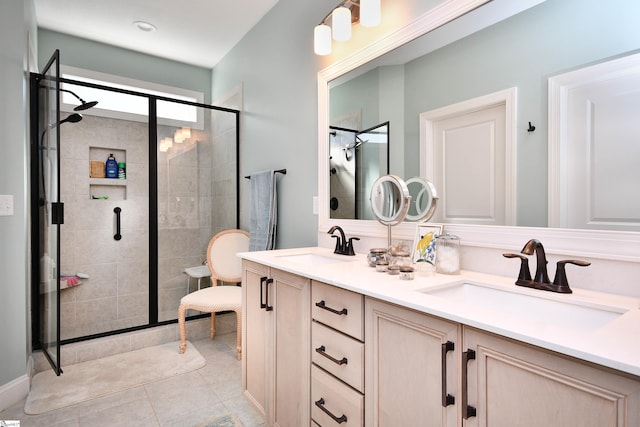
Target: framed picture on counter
424,243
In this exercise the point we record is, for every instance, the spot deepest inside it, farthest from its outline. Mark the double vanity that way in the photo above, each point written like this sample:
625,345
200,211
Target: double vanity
330,341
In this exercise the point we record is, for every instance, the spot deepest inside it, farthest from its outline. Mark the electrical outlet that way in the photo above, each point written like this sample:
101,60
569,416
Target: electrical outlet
6,204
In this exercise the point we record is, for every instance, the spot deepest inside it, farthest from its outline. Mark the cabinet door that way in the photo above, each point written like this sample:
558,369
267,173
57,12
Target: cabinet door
404,356
290,340
254,328
515,384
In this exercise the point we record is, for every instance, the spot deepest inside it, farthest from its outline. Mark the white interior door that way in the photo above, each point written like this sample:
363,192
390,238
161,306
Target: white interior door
595,148
468,156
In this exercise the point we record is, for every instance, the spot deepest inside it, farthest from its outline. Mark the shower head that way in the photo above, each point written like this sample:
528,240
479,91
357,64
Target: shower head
83,104
71,118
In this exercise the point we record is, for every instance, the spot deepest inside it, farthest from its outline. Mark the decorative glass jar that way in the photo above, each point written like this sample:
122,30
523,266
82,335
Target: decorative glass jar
375,255
448,254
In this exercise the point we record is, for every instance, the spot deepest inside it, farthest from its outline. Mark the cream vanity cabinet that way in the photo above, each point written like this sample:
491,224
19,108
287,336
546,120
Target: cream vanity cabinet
411,367
514,384
491,381
276,341
337,355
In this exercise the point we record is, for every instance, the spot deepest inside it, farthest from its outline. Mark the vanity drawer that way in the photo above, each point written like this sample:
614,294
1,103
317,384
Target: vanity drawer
338,400
338,308
338,354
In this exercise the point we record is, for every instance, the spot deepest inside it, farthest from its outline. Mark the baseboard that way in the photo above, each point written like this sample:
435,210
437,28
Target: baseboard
14,391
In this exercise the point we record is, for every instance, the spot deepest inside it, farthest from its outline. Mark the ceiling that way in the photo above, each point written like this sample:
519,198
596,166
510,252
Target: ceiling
198,32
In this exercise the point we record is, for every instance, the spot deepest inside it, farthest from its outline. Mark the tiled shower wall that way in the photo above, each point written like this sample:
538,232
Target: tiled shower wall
117,293
196,198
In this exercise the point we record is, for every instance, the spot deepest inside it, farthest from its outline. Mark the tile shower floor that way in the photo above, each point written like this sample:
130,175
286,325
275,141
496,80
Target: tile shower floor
185,400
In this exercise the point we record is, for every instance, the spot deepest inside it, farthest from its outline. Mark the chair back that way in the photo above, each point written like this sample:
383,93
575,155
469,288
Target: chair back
222,257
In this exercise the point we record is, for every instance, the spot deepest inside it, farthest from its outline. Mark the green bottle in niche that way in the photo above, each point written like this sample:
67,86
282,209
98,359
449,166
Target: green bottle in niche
111,167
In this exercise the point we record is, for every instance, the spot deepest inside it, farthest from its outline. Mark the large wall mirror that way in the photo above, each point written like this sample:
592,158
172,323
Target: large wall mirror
497,46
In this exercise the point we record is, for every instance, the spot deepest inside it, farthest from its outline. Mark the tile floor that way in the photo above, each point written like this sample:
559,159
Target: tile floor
184,400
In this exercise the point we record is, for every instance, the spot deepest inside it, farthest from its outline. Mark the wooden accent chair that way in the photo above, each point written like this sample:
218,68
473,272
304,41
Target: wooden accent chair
225,266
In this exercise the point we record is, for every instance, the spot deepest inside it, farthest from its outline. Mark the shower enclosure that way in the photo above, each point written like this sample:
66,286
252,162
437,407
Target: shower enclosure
124,242
356,160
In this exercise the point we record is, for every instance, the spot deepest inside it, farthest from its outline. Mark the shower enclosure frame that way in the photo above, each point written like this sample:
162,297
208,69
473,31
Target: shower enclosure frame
153,208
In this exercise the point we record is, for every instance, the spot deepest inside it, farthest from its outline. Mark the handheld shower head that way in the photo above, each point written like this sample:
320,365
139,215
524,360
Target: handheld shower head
71,118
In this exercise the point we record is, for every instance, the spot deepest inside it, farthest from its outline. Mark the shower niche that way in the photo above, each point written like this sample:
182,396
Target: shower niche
100,187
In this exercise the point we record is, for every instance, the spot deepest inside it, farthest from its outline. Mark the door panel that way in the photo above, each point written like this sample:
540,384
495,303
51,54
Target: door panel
48,210
474,143
601,146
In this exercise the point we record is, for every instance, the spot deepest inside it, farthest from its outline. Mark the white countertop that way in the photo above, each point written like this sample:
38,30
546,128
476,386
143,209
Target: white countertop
614,344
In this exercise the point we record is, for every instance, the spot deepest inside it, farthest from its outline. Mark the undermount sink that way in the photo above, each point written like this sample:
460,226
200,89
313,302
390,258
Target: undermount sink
569,314
313,259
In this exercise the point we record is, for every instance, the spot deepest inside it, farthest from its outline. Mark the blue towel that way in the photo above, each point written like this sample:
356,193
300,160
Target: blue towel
264,211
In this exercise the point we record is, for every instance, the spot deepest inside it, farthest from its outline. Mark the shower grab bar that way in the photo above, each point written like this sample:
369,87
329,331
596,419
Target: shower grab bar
117,211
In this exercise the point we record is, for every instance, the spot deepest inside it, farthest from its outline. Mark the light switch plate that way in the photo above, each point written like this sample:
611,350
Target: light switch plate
6,204
315,205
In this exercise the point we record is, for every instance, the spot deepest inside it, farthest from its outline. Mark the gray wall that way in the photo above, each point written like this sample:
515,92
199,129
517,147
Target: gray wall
90,55
16,20
277,68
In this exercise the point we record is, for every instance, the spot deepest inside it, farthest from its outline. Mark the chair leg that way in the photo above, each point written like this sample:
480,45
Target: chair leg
239,335
212,332
181,323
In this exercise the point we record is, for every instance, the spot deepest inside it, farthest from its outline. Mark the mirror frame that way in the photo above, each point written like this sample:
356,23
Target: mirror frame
602,244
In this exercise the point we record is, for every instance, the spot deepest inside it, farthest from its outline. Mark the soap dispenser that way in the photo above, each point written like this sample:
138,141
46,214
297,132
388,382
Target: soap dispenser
111,167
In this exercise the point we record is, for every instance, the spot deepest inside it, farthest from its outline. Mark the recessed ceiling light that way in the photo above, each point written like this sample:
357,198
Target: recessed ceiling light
145,26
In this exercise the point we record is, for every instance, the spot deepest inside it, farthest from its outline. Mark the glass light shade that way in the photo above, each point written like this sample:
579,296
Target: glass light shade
322,39
178,137
341,23
369,13
165,144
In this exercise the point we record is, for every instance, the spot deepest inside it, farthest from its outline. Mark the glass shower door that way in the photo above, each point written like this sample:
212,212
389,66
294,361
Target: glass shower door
49,209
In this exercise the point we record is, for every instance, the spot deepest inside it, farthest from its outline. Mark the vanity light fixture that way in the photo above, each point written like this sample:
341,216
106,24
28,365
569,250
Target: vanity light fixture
348,12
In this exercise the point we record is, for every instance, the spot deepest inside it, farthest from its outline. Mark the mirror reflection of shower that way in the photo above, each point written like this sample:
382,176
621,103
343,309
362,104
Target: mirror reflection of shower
357,159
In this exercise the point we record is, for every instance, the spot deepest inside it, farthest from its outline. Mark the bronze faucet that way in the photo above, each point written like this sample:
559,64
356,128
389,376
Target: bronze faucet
343,246
541,279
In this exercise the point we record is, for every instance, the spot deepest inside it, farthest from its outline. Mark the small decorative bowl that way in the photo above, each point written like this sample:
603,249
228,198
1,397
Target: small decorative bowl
382,266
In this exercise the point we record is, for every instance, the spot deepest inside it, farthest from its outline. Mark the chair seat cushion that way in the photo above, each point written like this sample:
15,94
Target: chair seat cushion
225,297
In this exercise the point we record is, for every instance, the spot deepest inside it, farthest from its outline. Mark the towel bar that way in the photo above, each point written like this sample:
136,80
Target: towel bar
282,171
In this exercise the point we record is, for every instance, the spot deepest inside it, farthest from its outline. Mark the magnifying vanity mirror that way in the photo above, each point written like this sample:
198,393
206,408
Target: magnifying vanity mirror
390,201
424,199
